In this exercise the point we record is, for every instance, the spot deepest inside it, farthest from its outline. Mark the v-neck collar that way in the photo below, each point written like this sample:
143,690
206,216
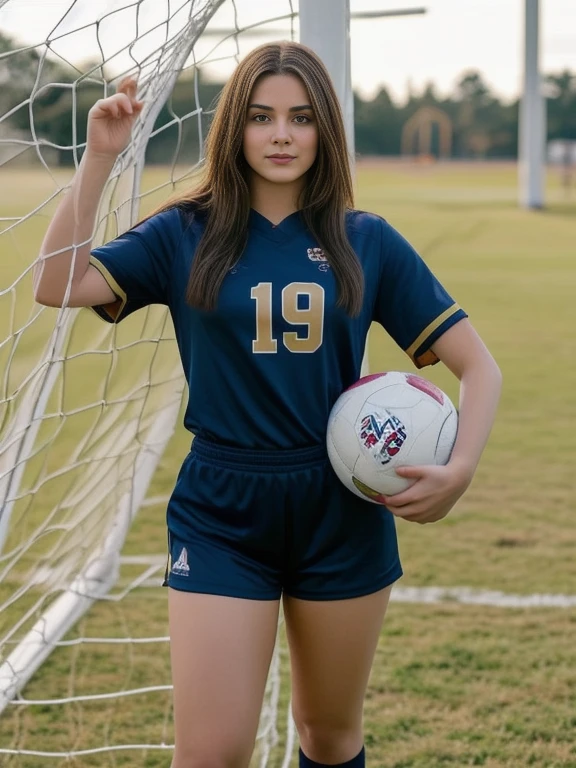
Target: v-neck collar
286,229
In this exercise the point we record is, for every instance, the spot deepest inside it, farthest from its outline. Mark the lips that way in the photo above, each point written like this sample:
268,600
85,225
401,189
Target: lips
279,159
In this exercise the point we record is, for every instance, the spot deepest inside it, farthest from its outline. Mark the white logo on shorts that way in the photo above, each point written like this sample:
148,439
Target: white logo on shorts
181,565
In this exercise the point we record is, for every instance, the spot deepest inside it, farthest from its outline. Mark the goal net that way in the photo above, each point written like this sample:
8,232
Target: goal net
89,447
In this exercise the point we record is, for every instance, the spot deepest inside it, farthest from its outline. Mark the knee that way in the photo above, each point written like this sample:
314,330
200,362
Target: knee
212,756
207,761
330,742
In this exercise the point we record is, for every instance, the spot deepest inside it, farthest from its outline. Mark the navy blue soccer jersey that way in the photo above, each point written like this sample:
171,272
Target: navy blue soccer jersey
265,367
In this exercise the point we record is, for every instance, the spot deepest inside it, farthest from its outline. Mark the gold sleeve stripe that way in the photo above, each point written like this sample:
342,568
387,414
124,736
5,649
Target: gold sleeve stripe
117,290
429,330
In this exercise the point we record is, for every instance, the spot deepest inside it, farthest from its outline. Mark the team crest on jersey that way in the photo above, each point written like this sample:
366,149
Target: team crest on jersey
181,566
382,436
317,254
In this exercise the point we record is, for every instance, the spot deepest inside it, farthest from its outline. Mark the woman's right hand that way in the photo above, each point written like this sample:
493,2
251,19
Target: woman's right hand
110,121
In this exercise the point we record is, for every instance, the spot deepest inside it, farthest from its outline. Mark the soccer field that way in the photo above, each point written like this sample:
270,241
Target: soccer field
453,684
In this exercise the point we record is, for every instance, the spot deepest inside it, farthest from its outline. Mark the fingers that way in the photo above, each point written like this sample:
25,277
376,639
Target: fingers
428,499
420,512
417,515
129,87
128,83
411,504
403,498
413,501
123,102
118,106
405,512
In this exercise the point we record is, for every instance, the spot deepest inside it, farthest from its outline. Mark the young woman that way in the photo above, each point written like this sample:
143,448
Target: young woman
272,280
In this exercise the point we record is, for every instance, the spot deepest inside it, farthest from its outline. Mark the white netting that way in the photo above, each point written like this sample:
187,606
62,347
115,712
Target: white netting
87,410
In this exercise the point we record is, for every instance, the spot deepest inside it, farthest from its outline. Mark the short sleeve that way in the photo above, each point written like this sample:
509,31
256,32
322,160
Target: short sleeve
138,265
411,304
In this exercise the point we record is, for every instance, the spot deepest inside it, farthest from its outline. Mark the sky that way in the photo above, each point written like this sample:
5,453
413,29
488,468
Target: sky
402,53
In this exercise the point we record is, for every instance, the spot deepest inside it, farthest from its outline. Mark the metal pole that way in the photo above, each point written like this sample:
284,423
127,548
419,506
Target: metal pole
532,127
325,27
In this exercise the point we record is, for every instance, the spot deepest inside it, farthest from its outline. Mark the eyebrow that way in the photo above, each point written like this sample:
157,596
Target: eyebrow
271,109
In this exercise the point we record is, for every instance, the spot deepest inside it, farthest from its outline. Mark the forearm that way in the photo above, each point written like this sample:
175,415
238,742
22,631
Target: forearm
480,387
71,231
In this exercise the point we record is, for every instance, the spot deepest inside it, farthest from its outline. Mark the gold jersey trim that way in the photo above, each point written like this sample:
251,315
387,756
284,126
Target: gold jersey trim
428,357
117,306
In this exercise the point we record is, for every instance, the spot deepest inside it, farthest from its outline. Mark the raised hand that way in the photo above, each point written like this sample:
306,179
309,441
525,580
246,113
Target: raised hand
110,121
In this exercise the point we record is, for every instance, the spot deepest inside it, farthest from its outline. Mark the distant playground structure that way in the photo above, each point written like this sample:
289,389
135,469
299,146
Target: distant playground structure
418,134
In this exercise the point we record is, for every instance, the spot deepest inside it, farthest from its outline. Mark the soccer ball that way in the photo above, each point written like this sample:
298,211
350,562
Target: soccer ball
385,421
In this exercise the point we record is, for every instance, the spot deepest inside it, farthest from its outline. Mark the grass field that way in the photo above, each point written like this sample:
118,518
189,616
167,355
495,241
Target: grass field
453,685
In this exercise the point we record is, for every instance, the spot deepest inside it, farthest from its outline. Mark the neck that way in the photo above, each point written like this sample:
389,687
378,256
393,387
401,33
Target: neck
275,201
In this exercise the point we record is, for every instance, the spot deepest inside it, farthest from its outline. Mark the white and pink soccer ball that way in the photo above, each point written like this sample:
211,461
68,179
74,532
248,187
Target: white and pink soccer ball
384,421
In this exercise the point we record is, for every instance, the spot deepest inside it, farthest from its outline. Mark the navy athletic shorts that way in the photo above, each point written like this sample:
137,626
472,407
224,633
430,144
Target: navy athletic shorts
254,524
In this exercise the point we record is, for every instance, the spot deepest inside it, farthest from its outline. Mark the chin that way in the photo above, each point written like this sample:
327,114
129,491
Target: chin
281,175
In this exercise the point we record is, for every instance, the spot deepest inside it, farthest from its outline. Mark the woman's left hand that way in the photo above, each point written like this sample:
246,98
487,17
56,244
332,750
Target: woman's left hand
432,496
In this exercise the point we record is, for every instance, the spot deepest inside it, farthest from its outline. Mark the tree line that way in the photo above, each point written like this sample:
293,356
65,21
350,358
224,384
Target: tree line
483,126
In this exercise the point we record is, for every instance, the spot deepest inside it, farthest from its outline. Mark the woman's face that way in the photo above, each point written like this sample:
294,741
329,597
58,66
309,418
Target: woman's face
281,133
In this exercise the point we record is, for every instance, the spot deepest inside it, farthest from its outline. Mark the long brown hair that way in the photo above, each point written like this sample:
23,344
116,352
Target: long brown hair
224,196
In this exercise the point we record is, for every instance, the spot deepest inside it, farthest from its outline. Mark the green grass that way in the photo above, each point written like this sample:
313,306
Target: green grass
452,685
515,273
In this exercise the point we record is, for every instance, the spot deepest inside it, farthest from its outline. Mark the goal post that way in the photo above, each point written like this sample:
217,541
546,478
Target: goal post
325,27
87,410
532,123
101,569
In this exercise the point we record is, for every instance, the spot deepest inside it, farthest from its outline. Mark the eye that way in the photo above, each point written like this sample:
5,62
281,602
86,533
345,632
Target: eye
256,118
302,119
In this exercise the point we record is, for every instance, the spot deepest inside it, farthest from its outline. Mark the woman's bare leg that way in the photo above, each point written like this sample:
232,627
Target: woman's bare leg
332,647
221,648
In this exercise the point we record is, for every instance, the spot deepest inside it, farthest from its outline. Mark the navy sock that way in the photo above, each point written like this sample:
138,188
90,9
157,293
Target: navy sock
357,762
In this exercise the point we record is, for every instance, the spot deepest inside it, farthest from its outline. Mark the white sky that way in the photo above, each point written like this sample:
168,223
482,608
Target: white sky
453,36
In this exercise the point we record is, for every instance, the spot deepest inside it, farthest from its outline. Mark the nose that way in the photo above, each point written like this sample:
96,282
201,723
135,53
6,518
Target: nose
282,133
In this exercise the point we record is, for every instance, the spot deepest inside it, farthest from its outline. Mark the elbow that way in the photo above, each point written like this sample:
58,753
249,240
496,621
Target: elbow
491,368
500,378
42,291
482,367
497,379
46,298
490,372
496,372
41,295
499,373
486,362
46,293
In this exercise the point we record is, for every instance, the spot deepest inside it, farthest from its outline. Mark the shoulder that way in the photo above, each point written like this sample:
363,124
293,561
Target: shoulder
168,222
364,223
380,235
169,227
370,225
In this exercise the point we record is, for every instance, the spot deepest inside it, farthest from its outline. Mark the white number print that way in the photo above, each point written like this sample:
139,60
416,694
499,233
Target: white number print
312,317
